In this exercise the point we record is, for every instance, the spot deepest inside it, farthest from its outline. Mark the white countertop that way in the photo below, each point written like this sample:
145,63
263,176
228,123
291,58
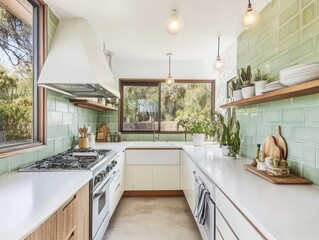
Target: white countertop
27,199
278,211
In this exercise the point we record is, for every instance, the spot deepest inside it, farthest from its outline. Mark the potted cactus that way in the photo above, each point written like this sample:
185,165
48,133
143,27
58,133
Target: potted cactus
236,86
248,88
260,80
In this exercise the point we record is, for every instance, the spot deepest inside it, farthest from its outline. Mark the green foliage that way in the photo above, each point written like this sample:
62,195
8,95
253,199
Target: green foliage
228,133
245,76
199,124
261,76
15,107
236,84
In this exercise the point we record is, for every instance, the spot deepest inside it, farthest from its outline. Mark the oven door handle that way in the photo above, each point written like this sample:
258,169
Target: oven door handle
101,192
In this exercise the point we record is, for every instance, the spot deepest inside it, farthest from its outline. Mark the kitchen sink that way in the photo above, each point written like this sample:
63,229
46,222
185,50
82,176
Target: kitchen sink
153,145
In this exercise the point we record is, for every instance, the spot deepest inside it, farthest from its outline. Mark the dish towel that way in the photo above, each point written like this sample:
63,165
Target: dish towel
201,203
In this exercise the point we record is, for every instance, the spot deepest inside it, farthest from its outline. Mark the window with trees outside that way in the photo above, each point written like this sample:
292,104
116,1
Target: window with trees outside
19,59
152,105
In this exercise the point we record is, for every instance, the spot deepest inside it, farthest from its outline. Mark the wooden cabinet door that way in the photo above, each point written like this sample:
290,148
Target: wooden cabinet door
166,178
47,231
67,219
83,213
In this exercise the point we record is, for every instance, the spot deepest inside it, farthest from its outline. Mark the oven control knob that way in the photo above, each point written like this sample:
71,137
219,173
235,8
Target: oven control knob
97,179
103,173
108,169
114,162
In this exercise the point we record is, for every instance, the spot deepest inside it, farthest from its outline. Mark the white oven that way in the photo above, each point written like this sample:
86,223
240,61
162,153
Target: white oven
100,210
207,229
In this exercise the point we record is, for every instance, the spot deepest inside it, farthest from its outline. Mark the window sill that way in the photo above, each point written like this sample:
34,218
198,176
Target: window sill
15,150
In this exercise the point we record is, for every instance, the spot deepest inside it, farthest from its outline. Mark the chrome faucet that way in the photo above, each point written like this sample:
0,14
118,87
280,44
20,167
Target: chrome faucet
154,137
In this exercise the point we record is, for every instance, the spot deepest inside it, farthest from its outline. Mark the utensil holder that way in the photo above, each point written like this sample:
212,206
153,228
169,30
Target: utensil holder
83,142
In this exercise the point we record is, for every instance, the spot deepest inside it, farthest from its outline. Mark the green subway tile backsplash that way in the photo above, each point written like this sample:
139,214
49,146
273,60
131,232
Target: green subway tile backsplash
297,33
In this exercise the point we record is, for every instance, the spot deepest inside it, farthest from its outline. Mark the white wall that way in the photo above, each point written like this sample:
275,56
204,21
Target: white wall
159,69
228,71
181,70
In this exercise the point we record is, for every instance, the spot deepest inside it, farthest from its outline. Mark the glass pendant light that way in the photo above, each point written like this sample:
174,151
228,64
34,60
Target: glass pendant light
174,23
251,17
169,80
218,63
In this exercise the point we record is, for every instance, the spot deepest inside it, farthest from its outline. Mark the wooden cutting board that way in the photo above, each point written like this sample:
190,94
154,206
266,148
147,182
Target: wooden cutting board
292,179
270,149
280,141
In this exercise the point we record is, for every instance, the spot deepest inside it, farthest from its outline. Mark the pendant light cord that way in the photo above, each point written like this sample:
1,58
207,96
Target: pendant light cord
169,65
218,47
249,4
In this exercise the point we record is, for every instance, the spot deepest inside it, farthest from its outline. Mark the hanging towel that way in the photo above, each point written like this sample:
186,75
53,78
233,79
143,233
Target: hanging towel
201,203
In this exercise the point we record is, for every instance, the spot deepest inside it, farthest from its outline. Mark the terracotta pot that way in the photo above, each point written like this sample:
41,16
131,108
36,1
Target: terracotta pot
198,139
248,92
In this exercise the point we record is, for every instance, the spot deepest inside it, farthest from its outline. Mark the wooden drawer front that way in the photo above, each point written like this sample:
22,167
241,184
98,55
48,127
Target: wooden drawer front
47,231
67,219
224,230
237,221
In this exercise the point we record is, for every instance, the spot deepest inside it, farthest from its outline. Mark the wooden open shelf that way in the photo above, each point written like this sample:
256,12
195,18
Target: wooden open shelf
303,89
91,105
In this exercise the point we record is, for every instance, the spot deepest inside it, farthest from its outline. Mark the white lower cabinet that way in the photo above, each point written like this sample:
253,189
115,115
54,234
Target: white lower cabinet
231,223
223,229
142,178
166,177
188,180
146,171
117,184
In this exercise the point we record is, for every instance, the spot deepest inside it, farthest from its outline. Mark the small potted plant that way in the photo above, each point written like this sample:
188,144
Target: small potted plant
235,86
198,127
248,88
260,80
228,135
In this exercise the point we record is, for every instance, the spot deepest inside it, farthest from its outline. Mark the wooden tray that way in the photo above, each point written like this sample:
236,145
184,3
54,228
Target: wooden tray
292,179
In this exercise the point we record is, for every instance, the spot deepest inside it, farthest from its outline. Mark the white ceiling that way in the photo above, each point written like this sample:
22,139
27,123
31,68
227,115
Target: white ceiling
135,29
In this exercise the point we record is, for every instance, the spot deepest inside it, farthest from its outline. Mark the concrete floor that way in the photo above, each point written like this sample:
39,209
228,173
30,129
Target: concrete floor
152,218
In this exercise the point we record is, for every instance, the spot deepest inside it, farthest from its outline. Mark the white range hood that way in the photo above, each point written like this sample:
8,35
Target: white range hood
75,65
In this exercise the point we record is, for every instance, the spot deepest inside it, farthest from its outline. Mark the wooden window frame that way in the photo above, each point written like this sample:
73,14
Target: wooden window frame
41,131
149,82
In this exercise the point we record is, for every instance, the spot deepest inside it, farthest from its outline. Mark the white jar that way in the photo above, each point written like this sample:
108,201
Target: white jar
91,140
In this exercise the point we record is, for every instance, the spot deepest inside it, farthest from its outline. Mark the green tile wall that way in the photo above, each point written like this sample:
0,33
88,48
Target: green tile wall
111,118
288,34
64,120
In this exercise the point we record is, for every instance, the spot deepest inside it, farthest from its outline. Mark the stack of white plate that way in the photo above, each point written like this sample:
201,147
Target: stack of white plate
299,74
273,86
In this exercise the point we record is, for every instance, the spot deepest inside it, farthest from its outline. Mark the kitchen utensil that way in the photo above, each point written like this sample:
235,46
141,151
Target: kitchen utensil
270,149
85,130
292,179
280,141
81,132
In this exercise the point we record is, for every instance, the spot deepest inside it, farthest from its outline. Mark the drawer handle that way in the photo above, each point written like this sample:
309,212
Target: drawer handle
72,235
73,198
118,185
